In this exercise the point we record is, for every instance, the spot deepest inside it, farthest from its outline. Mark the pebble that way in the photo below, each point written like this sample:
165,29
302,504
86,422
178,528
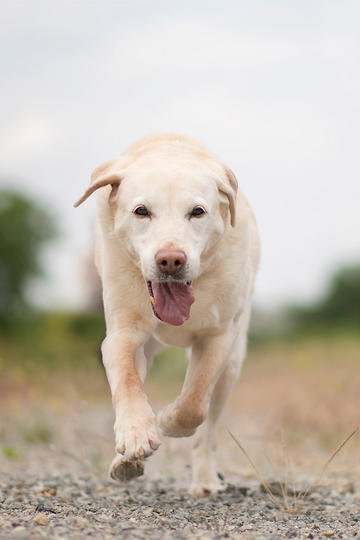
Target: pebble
41,519
81,522
90,506
19,530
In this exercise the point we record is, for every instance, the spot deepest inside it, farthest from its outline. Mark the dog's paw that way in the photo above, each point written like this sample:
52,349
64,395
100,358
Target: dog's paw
124,470
199,489
174,422
136,439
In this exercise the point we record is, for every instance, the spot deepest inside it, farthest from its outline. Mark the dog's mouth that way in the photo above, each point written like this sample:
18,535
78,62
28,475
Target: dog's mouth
171,300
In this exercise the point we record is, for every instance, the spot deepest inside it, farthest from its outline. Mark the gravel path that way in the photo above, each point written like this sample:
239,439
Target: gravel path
72,507
55,451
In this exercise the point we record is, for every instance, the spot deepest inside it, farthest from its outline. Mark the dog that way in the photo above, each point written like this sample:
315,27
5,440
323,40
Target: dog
177,250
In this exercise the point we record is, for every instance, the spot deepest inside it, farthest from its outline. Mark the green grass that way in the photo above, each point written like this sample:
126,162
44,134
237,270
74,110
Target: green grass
305,385
52,341
9,452
70,343
39,432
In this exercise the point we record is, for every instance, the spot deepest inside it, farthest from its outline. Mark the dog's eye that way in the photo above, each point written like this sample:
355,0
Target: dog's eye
197,211
142,211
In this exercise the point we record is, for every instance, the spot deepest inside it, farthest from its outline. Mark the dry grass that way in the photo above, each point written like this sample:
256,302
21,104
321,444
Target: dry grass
291,498
291,407
308,390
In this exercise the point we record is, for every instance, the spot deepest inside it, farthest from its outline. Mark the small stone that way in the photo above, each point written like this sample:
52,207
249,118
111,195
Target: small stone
327,533
81,522
41,519
46,490
19,530
5,523
246,528
347,488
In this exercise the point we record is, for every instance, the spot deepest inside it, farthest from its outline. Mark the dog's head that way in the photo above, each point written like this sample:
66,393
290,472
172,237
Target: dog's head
170,215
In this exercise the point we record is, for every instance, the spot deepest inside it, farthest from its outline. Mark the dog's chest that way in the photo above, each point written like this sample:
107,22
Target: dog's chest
173,337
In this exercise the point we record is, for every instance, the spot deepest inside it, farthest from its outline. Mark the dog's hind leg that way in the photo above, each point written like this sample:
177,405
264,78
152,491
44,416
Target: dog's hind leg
204,475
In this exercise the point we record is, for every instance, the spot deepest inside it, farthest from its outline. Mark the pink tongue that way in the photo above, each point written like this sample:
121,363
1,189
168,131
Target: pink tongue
172,301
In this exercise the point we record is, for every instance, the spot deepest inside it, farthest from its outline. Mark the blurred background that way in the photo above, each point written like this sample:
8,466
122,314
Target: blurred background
271,87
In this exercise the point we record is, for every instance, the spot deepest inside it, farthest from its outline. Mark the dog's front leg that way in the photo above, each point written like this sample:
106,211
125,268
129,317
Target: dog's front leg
135,432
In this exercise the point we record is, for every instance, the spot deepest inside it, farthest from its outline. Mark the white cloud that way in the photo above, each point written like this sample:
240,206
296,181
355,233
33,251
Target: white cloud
199,45
27,136
273,89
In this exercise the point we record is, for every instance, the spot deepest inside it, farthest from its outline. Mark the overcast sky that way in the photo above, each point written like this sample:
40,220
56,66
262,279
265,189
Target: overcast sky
270,86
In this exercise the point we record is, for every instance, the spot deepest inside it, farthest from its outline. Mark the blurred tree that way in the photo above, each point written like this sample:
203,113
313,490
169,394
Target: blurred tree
342,301
24,227
340,305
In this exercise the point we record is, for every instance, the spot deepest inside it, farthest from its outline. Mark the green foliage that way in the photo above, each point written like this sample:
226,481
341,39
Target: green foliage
342,302
24,227
338,309
36,343
9,452
41,343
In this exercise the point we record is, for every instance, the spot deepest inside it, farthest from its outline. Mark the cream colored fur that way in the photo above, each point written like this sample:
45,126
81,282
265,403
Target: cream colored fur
171,174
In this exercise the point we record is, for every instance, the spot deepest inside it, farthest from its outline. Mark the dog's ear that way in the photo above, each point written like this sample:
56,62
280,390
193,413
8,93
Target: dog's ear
229,189
106,174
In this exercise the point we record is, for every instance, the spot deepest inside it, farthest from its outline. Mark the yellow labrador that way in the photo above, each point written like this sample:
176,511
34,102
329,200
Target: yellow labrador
177,250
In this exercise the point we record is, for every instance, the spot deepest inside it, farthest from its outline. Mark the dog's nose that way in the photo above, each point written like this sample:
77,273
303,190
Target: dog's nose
170,261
